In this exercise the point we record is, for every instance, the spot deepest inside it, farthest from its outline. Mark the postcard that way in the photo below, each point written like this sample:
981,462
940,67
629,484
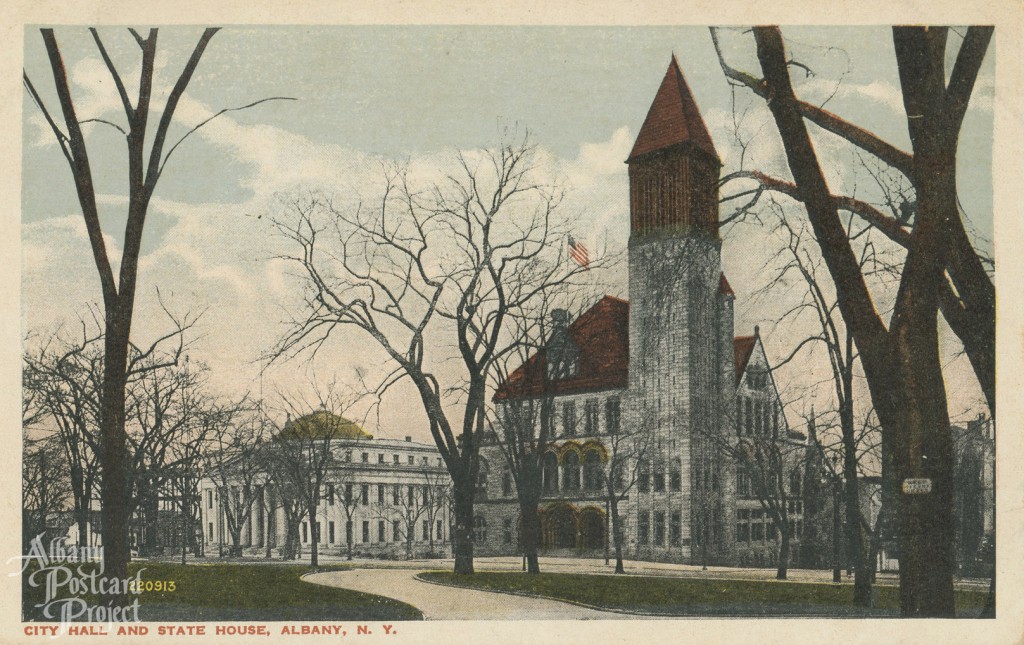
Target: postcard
427,322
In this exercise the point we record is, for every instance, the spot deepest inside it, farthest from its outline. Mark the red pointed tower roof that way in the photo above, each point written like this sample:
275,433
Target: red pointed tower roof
673,119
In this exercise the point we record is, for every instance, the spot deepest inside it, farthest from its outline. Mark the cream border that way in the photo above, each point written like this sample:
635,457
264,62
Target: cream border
1006,14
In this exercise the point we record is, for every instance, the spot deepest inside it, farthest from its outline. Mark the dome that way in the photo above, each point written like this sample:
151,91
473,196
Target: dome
322,425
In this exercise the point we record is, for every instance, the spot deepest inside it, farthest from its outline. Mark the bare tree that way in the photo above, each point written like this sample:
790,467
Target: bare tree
967,294
237,437
437,502
628,446
448,263
349,503
942,270
837,339
62,379
165,400
304,449
524,418
187,455
144,171
63,376
287,496
44,483
768,469
409,508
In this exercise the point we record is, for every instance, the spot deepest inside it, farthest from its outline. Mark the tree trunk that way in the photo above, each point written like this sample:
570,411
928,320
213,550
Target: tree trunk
902,364
530,520
783,569
856,543
150,505
314,551
235,529
270,527
926,527
186,521
291,551
82,520
113,454
613,504
349,527
462,534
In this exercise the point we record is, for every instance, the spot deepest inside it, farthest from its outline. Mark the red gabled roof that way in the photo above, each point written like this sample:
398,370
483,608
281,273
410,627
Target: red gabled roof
724,287
742,349
673,118
602,336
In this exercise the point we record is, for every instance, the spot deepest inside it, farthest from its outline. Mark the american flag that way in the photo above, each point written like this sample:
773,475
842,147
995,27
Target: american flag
578,252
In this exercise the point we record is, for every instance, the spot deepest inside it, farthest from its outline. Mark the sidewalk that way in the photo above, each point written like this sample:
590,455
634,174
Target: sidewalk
453,603
597,566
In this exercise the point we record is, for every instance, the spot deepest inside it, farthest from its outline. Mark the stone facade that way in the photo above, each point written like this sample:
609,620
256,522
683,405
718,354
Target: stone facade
684,387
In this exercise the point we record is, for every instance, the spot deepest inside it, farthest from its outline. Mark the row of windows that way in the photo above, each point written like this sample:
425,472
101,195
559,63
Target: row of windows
571,424
399,494
397,532
646,482
745,486
757,526
591,417
592,471
756,417
408,494
644,535
395,459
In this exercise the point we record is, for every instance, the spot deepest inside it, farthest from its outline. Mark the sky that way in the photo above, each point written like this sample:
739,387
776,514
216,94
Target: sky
366,94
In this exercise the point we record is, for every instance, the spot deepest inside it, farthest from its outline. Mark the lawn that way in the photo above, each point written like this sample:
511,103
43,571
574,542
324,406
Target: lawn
694,597
229,592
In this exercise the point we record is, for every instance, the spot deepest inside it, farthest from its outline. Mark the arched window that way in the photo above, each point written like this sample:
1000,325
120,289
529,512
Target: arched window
593,476
794,483
479,529
571,471
550,472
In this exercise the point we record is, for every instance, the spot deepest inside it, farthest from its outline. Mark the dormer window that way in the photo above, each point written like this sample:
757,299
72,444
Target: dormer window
562,352
757,378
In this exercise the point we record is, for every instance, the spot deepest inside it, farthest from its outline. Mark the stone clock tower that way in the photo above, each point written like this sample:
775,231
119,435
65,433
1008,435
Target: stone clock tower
680,316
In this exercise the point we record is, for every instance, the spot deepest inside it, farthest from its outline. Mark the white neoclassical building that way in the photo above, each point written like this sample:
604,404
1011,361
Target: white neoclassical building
381,497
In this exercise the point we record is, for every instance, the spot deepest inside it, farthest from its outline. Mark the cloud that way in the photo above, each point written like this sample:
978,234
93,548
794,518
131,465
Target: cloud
818,90
597,160
224,257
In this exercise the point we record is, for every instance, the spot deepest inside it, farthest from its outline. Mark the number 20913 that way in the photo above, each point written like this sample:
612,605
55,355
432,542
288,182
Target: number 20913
153,585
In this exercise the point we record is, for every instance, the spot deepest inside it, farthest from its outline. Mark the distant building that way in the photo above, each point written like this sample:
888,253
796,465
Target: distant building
974,463
387,497
664,368
974,500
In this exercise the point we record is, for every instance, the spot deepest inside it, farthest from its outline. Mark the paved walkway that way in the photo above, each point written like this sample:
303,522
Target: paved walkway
633,567
450,603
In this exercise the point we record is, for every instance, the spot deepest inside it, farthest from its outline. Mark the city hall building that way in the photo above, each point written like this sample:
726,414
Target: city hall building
664,369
